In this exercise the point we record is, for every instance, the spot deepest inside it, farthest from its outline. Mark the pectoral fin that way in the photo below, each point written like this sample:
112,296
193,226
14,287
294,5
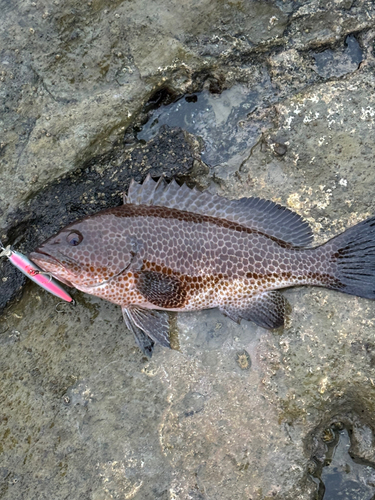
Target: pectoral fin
160,289
153,324
265,309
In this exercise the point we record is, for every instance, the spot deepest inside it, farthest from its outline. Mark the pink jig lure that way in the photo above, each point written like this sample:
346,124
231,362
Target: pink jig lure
34,272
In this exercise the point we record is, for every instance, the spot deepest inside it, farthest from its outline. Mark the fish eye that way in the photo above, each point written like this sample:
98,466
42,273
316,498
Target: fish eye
74,238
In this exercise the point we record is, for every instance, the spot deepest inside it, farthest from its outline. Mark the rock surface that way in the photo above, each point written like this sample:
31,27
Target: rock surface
288,114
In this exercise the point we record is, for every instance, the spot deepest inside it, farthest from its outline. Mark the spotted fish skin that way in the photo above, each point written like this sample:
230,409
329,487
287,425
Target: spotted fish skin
152,254
187,261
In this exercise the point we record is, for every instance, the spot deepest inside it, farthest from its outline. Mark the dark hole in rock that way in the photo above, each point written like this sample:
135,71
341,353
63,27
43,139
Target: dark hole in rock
161,97
191,98
215,87
280,149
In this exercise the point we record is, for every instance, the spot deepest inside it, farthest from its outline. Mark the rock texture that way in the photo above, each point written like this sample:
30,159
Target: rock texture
288,113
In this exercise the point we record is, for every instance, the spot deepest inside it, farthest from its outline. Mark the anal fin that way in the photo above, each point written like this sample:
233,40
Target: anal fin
266,309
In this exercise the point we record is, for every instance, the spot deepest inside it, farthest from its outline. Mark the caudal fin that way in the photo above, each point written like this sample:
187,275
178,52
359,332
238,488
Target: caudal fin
352,256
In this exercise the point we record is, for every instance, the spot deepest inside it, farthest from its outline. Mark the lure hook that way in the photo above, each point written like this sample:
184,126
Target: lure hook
6,251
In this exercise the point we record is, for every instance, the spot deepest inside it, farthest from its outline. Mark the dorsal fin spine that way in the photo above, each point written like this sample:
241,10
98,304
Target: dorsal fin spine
255,213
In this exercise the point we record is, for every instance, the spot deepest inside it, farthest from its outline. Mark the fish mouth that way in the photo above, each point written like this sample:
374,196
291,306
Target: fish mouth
42,259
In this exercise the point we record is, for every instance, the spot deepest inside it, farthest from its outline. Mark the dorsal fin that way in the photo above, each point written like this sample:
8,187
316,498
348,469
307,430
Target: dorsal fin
261,215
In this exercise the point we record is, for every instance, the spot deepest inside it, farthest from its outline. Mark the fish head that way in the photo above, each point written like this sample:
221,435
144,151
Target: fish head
87,253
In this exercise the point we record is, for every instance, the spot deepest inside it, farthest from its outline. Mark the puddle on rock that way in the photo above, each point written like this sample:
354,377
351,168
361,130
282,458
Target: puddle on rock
336,63
217,118
339,477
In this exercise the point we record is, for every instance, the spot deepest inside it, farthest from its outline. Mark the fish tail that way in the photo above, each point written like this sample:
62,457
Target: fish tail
351,257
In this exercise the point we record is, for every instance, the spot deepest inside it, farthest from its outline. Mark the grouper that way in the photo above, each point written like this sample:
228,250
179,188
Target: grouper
172,248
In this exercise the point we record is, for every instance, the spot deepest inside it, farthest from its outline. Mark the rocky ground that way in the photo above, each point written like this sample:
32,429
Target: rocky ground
275,99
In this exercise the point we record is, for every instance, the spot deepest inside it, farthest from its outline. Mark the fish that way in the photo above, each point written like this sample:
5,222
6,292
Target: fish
172,248
21,262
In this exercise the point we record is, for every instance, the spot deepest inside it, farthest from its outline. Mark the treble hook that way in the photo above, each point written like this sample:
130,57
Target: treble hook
6,251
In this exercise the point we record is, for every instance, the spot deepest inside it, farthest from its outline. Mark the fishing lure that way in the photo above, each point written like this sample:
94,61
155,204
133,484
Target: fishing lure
32,271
